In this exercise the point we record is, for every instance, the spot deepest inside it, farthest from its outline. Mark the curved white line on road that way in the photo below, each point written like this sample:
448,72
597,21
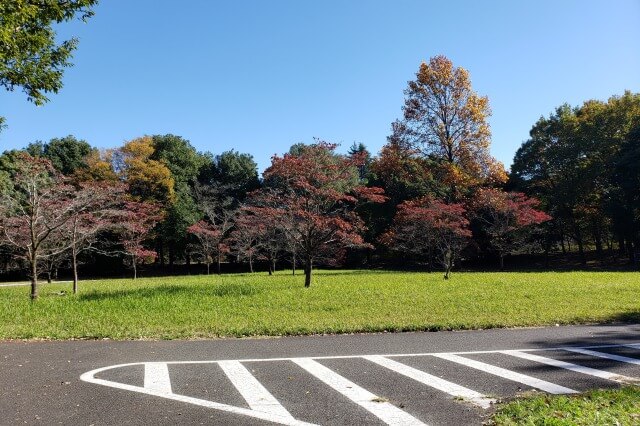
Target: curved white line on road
89,377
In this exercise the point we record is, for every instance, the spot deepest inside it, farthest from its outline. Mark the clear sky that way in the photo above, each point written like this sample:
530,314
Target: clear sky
258,76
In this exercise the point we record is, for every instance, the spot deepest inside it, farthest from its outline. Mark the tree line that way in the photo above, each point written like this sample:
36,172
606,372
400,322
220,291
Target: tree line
432,196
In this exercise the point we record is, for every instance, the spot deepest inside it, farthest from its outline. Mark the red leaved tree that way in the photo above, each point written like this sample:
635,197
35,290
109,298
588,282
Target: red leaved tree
34,208
245,237
430,228
94,211
136,222
318,190
210,242
506,217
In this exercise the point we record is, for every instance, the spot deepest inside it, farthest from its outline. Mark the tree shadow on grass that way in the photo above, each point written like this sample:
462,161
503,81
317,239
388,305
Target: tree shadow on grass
336,272
218,290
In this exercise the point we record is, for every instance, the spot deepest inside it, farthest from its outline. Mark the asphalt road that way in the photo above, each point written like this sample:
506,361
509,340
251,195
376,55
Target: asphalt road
444,378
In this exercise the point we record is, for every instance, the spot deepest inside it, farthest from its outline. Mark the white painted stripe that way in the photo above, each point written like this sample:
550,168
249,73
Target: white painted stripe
256,395
605,355
507,374
156,377
555,348
433,381
388,413
635,346
570,366
89,377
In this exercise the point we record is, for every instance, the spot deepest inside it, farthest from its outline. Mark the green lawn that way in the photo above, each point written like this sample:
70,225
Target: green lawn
598,407
337,302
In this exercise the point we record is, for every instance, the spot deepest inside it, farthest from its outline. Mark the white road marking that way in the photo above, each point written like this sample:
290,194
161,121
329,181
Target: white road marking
265,407
256,395
156,377
605,355
89,377
433,381
388,413
507,374
572,367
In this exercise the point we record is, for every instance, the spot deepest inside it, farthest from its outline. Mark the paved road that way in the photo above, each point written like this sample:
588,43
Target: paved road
446,378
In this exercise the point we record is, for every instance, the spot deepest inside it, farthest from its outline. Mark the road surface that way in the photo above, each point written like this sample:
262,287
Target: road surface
444,378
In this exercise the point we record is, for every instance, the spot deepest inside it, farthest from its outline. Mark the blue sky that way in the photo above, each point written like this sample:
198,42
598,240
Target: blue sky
258,76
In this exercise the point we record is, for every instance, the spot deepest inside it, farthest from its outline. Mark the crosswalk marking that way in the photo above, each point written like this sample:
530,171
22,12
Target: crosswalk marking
433,381
508,374
570,366
388,413
156,377
605,355
263,405
256,395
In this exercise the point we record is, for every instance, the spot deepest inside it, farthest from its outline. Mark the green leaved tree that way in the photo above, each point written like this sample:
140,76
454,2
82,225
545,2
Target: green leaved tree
30,56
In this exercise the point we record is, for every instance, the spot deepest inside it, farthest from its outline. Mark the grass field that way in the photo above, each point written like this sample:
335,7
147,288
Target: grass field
598,407
337,302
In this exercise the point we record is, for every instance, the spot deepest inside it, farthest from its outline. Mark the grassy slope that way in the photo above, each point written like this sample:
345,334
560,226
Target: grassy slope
598,407
341,301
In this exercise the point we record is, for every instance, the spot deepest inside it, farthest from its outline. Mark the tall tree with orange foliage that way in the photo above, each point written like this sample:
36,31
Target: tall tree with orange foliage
446,120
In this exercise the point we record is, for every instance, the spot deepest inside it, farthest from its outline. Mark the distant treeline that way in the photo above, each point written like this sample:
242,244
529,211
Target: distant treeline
431,197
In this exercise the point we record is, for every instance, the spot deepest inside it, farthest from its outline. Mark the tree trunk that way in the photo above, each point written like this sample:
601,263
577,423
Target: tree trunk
74,264
49,277
307,272
218,262
621,245
501,261
583,259
448,264
135,269
293,264
597,238
34,278
270,267
208,271
172,255
161,252
251,264
273,265
631,252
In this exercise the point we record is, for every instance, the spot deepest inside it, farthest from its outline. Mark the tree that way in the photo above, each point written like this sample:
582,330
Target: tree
185,165
30,55
235,172
430,228
319,191
148,179
220,210
136,222
210,242
94,211
245,237
67,154
570,163
98,168
446,120
504,216
33,209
